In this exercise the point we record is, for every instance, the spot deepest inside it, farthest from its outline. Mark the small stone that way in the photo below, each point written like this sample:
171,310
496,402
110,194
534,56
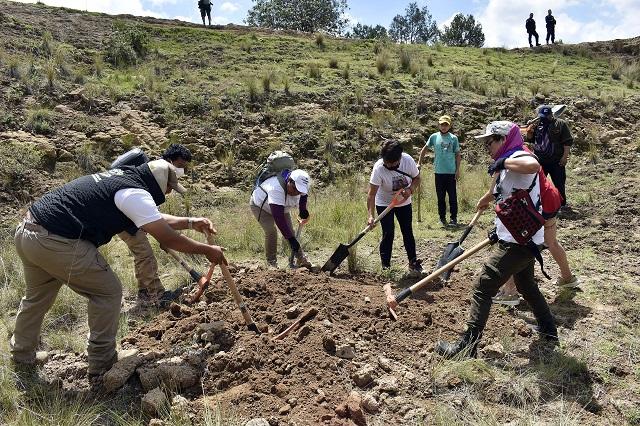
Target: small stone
280,389
370,403
321,396
367,300
342,410
304,332
388,384
327,323
258,421
154,402
356,414
292,312
292,402
385,364
179,402
494,350
345,352
329,344
285,409
364,375
120,372
326,417
215,327
156,422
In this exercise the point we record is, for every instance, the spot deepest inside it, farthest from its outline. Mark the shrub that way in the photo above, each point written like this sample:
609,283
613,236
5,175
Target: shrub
320,41
40,121
13,68
616,65
534,88
18,159
50,72
430,60
504,90
415,69
314,70
245,46
126,44
46,46
346,71
98,65
287,85
382,62
252,90
268,78
333,63
405,60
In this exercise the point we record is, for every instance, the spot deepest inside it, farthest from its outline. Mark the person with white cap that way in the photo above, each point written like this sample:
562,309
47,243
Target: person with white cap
513,168
446,168
271,203
58,240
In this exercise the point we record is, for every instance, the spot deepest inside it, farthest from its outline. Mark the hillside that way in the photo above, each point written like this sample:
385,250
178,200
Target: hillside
77,89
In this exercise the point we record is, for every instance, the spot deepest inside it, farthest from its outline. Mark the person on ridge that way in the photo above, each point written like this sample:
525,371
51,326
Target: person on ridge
551,27
205,10
530,25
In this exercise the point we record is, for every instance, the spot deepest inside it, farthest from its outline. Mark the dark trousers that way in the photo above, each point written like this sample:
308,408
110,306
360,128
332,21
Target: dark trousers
508,259
535,34
558,175
405,219
446,184
205,11
551,33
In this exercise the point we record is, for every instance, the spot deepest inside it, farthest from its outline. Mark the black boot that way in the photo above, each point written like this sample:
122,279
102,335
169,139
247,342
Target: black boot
467,346
547,330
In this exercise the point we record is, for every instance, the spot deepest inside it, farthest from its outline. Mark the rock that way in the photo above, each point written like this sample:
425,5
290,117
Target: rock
329,344
354,405
259,421
367,300
285,409
342,410
364,375
214,327
280,389
370,404
304,332
321,396
494,350
179,376
385,364
327,323
64,156
156,422
149,377
101,137
388,384
154,402
120,372
179,402
345,352
292,312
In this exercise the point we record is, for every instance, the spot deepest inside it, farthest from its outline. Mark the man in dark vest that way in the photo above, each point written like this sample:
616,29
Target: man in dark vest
530,25
58,242
551,27
205,10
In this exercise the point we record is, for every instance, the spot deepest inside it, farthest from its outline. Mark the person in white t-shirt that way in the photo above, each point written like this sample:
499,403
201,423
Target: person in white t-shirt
58,241
271,203
513,168
394,171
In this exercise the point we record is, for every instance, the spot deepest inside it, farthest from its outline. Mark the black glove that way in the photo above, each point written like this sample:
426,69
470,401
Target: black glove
304,214
496,166
295,245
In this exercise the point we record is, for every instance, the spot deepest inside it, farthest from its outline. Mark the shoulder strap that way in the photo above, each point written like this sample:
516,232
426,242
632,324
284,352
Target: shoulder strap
406,174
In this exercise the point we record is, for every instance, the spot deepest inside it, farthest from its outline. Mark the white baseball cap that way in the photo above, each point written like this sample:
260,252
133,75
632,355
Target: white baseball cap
301,179
165,174
501,128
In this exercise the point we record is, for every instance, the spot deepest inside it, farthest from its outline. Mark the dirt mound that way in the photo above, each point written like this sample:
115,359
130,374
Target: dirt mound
310,376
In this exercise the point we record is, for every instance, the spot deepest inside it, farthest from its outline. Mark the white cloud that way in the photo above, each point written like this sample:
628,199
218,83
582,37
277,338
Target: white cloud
220,20
113,7
227,6
351,20
503,20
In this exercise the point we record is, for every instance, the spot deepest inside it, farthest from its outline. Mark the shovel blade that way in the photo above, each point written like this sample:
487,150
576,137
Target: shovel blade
338,256
451,252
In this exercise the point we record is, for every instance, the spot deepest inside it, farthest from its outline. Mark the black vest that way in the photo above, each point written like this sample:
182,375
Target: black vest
85,208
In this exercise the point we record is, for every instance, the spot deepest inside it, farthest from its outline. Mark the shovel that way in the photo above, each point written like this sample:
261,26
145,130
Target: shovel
342,252
203,281
454,249
392,301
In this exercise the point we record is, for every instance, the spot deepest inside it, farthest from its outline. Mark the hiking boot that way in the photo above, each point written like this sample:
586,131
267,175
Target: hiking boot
302,261
571,283
415,268
506,299
453,222
548,332
443,222
168,296
147,297
466,347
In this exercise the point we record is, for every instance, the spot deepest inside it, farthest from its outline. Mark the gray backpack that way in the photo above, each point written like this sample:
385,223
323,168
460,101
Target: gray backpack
280,164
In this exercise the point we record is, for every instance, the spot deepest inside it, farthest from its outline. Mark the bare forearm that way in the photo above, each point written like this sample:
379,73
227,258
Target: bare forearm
176,222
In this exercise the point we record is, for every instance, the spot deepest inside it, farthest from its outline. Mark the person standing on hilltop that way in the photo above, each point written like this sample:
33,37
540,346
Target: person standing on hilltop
530,25
551,27
205,10
446,166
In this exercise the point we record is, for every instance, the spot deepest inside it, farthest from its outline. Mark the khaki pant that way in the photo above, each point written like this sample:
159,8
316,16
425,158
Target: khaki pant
146,265
270,232
49,261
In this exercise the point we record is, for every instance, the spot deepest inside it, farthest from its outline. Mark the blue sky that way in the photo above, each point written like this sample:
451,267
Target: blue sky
502,20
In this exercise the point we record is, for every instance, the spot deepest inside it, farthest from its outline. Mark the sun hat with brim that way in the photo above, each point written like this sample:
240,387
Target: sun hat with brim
301,179
444,119
165,174
500,128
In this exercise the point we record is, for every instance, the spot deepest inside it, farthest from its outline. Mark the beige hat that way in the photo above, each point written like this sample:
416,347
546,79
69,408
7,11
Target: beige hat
445,119
165,174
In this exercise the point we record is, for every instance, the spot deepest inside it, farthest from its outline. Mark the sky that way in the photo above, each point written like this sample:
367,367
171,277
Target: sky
502,20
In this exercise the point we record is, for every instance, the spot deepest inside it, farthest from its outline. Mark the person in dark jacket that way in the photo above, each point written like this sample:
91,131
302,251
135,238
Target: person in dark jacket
58,240
530,25
551,27
205,10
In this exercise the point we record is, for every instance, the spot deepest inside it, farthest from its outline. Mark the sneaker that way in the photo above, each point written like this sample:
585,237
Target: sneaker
454,222
415,267
443,222
572,282
506,299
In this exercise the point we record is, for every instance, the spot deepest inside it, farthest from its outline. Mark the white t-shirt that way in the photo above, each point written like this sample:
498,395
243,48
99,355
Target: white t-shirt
137,205
508,182
390,181
275,194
